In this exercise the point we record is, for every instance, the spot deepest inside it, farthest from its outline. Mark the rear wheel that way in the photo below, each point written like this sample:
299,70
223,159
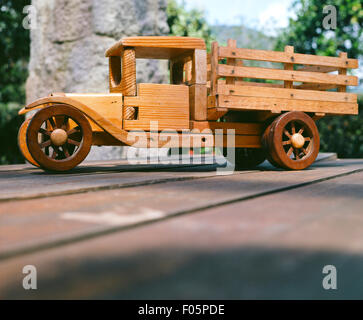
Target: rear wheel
59,137
293,141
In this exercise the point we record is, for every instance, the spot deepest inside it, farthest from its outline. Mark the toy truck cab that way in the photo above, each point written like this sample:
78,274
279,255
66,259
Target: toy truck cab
171,105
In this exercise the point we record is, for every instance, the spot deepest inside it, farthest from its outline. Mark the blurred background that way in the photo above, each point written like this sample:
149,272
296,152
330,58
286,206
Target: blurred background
59,45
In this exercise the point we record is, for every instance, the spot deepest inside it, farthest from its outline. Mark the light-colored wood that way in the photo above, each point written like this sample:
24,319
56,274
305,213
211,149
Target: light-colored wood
128,81
188,66
115,129
198,102
267,92
260,103
215,69
283,57
253,129
157,47
176,124
342,71
315,86
289,66
275,74
199,71
107,106
115,74
231,61
318,69
161,102
216,113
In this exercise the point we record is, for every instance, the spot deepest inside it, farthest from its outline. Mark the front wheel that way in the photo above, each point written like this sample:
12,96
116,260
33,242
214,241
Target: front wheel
59,137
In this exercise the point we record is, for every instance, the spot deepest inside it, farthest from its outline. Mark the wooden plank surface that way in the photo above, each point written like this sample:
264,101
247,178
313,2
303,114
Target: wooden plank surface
266,92
260,103
285,57
245,235
289,75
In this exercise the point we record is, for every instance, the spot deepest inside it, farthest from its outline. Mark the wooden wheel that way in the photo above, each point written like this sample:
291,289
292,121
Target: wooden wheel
23,145
266,142
246,158
294,140
59,137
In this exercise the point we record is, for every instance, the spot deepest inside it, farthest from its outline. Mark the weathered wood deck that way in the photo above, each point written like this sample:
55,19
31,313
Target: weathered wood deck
167,231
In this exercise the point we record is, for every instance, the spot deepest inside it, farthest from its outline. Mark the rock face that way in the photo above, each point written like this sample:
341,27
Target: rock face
68,46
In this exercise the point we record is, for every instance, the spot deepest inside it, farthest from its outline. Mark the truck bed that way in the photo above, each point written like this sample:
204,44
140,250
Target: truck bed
298,83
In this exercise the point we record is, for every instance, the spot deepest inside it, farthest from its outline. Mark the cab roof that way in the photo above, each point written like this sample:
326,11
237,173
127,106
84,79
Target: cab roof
157,47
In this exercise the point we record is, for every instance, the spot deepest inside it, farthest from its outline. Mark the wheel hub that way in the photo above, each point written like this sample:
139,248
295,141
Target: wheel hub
297,140
59,137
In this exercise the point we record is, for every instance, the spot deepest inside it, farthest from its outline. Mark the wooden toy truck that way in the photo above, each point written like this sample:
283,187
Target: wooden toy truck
273,120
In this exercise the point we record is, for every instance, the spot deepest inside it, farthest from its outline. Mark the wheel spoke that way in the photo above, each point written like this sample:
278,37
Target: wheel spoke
52,123
296,153
43,131
304,151
76,143
65,122
287,134
74,130
301,130
293,130
307,139
290,151
54,154
65,150
285,143
45,144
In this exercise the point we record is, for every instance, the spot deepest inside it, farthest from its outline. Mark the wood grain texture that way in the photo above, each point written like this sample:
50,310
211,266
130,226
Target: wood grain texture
289,75
251,91
198,102
159,45
160,102
240,128
283,57
259,103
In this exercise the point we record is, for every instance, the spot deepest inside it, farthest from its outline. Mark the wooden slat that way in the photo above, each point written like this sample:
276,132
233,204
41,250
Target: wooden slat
163,124
260,103
250,91
318,69
283,57
240,128
198,102
289,66
215,68
199,71
231,61
275,74
315,86
342,71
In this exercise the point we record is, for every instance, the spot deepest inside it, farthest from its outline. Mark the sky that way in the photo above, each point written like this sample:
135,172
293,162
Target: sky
267,14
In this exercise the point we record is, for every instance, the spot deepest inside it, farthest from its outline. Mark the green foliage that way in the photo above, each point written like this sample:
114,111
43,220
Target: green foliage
340,134
307,35
188,23
9,124
14,55
343,134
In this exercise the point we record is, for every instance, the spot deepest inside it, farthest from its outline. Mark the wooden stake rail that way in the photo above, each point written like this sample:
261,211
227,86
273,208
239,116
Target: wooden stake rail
297,88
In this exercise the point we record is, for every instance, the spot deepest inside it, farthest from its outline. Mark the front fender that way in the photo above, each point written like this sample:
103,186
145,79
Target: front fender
102,122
